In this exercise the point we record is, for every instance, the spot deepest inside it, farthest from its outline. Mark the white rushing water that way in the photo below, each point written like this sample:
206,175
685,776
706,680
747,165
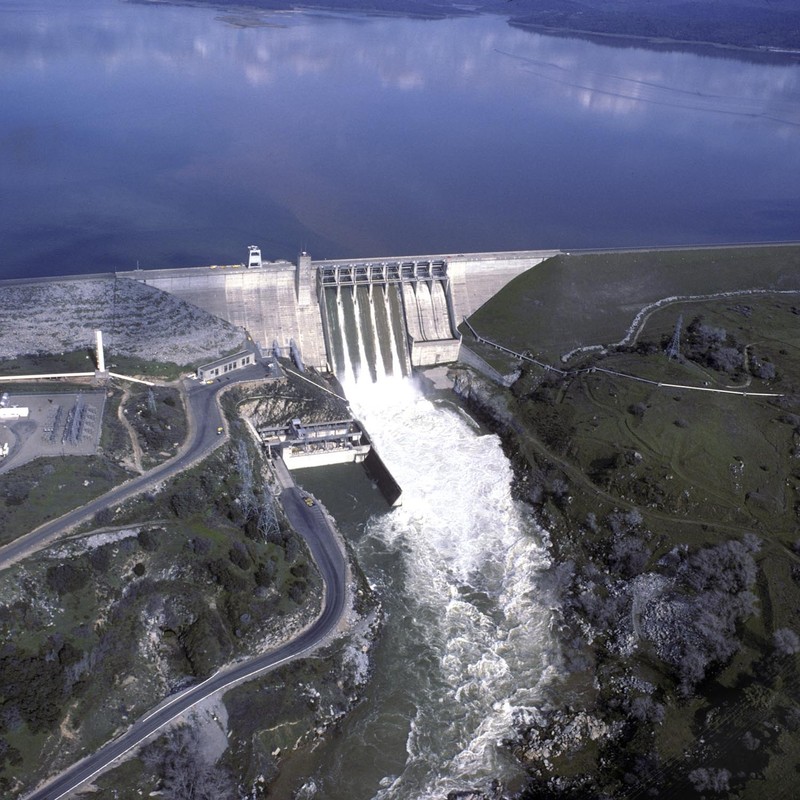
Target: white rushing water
476,628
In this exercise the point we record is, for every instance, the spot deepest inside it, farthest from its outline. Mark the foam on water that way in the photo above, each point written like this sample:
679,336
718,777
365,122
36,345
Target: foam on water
471,558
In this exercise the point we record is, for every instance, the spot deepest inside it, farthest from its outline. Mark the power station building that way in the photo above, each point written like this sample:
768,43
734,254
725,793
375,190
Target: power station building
222,366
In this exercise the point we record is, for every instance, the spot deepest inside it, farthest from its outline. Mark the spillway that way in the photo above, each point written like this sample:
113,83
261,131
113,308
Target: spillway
365,331
386,327
426,311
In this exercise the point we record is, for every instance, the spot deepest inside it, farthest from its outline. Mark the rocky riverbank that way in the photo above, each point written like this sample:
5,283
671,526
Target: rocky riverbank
672,647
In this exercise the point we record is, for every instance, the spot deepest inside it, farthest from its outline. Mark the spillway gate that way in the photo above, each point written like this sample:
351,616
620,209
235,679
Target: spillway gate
387,315
367,272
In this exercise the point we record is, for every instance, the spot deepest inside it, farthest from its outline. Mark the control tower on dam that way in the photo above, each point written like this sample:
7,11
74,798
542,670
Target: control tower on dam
385,314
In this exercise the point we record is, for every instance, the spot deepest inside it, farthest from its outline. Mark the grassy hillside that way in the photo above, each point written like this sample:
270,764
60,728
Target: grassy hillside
674,520
98,627
585,299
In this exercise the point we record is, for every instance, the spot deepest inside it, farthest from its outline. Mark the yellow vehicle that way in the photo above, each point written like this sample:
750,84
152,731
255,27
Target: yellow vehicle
220,430
308,501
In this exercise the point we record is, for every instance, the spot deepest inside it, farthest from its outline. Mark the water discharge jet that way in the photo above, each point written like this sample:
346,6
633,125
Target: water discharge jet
467,648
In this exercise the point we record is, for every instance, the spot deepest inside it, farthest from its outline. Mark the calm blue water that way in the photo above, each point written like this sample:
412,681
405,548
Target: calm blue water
172,136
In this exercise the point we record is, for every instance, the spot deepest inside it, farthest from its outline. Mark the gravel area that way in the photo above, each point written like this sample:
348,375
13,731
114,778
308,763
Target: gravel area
136,320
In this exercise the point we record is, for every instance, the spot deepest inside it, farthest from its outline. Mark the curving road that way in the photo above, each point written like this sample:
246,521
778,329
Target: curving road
310,522
203,418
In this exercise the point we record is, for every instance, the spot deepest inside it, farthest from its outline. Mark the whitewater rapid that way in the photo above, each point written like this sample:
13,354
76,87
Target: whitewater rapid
475,647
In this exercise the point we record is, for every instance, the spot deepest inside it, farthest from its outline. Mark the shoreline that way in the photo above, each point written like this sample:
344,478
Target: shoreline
237,16
659,42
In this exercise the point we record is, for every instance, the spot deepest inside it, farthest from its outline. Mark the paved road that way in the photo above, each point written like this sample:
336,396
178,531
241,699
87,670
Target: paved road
309,522
203,420
312,524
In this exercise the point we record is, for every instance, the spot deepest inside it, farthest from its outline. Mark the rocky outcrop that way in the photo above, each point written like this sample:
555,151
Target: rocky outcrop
136,319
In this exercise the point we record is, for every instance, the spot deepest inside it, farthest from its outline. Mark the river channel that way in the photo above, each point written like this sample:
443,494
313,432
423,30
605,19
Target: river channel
467,646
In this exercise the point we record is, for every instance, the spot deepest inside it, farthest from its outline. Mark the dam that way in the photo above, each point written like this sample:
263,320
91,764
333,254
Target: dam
382,315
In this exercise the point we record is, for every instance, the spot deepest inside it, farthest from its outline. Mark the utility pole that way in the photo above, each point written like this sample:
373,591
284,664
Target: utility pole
674,349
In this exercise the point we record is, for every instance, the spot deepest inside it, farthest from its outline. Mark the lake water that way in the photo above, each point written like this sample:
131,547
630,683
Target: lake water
171,136
168,136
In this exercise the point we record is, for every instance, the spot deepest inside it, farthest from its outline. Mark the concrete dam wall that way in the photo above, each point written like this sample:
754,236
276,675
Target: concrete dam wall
385,314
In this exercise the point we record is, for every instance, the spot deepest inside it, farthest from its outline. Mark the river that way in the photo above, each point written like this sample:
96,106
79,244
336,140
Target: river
467,646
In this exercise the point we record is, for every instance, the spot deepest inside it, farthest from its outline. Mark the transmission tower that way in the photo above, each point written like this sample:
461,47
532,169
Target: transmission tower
674,349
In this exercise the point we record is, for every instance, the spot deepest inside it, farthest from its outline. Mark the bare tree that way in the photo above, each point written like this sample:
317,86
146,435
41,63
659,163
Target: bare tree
705,779
786,642
185,774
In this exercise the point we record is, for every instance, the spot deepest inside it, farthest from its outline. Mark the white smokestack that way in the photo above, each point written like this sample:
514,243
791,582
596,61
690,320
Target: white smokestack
101,361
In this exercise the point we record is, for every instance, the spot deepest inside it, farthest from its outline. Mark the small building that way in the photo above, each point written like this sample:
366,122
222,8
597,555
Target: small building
14,412
253,256
316,444
222,366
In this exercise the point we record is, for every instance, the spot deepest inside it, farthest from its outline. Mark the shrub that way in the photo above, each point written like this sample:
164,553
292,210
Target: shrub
726,359
67,578
204,643
239,556
265,573
637,410
200,545
228,576
786,642
100,558
148,540
728,567
104,517
297,591
629,556
646,710
712,780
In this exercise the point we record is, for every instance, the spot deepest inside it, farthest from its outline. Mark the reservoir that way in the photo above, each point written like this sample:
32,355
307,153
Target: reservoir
148,135
156,135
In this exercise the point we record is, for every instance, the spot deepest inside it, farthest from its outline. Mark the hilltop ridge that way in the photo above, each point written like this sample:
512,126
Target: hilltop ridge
750,24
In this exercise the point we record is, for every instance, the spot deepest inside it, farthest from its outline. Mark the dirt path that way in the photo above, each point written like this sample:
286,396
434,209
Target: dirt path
136,448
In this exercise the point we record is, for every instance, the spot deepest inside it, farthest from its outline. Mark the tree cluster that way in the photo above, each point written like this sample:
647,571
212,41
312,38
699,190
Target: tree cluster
687,607
712,346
